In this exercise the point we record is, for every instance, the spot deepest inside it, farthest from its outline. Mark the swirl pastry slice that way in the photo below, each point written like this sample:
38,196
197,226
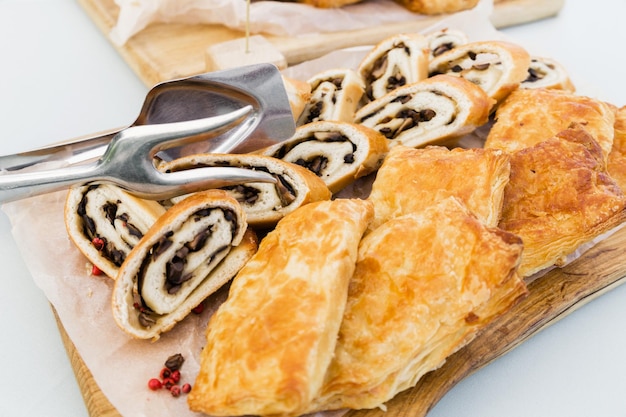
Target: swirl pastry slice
270,343
337,152
498,67
189,253
335,95
412,179
444,40
423,287
298,94
559,197
105,222
547,73
396,61
264,203
529,116
431,111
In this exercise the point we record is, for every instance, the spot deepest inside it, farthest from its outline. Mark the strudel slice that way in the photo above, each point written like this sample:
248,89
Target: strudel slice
443,40
559,197
529,116
412,179
394,62
337,152
433,111
195,248
105,222
424,285
498,67
269,345
335,95
547,73
264,203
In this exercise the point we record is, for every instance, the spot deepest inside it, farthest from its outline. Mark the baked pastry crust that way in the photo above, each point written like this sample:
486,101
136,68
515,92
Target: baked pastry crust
432,111
432,7
412,179
617,158
529,116
298,94
424,285
270,343
264,203
114,216
337,152
559,197
191,251
498,67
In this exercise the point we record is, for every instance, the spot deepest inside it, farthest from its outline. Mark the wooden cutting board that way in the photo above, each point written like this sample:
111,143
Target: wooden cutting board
551,297
163,51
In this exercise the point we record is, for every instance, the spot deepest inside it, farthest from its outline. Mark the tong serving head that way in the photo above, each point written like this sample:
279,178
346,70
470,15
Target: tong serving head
129,162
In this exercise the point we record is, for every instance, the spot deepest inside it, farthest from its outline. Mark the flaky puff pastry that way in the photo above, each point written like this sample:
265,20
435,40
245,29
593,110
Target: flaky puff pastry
424,284
529,116
269,345
617,158
411,179
559,197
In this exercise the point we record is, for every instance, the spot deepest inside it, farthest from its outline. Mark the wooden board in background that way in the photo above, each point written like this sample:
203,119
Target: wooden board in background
163,51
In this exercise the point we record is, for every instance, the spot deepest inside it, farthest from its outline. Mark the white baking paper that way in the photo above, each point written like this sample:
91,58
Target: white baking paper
267,17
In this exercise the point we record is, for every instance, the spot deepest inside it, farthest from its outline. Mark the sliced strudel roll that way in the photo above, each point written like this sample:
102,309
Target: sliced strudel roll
529,116
396,61
105,223
547,73
264,203
559,197
270,343
335,95
424,285
443,40
337,152
498,67
431,111
412,179
298,94
195,248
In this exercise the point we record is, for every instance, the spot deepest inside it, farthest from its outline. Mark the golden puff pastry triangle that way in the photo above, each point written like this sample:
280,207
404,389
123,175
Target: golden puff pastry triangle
411,179
424,284
529,116
559,197
269,345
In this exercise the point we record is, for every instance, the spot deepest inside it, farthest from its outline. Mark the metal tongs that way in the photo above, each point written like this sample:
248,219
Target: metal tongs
229,111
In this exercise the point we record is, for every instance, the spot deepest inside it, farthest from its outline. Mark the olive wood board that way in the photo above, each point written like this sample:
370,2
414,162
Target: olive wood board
552,297
166,51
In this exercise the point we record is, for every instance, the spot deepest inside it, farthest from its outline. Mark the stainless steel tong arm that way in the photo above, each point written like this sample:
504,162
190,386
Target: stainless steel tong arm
129,163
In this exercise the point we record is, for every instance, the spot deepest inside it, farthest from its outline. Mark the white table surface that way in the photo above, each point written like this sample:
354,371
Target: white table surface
60,79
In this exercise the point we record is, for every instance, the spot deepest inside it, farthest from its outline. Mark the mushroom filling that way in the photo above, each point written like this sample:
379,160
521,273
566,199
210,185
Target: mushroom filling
111,221
390,71
323,153
483,69
412,113
322,101
181,260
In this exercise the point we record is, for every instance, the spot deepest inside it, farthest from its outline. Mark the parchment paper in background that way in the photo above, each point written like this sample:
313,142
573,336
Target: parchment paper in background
269,17
120,365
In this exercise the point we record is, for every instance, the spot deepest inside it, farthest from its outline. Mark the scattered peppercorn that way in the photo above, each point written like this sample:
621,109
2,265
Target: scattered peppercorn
174,362
186,388
154,384
95,270
198,309
170,376
175,390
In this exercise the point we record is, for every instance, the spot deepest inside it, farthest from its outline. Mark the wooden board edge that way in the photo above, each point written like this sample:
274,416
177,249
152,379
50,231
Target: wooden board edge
96,402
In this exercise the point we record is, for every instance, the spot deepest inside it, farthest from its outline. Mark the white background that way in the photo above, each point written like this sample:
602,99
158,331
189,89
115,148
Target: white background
60,78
